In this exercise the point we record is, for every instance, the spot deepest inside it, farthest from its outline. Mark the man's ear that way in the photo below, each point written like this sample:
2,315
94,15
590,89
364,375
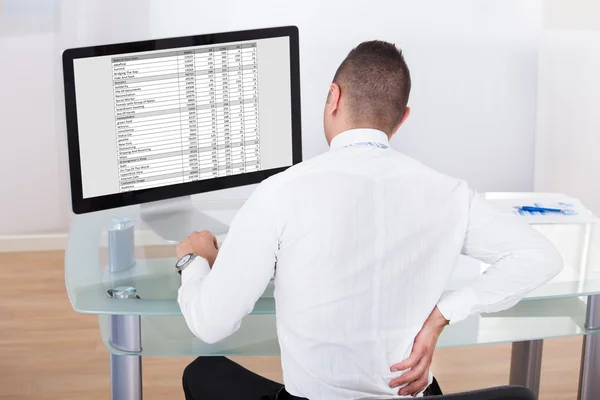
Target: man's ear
333,98
404,117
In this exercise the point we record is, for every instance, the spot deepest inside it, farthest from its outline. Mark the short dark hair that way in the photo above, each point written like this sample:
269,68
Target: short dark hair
375,81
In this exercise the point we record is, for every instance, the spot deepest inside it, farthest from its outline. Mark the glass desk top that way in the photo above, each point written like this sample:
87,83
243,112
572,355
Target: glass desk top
553,310
154,276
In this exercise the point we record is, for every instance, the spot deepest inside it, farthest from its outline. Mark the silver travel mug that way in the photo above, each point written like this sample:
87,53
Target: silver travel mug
121,245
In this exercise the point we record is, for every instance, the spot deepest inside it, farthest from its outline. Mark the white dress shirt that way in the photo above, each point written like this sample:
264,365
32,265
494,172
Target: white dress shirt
363,240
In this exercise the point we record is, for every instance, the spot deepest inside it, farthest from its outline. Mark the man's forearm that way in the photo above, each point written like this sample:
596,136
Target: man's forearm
504,283
520,260
436,320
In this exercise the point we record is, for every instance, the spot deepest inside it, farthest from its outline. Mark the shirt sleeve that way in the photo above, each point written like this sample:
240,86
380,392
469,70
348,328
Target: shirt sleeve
520,258
213,302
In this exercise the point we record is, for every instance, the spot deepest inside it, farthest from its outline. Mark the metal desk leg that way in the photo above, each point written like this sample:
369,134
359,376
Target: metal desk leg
125,370
526,364
589,374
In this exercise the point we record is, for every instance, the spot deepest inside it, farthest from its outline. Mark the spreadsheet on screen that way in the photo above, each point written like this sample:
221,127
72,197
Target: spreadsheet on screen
172,116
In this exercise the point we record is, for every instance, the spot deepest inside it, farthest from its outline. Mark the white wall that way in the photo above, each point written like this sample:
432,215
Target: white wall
474,67
31,193
568,132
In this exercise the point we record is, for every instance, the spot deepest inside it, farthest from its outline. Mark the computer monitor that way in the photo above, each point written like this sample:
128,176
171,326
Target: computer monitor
159,119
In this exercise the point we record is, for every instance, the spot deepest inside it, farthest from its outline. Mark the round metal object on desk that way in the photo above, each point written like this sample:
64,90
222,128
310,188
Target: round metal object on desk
123,292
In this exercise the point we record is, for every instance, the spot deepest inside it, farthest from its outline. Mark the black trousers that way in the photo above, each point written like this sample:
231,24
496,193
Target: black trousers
218,378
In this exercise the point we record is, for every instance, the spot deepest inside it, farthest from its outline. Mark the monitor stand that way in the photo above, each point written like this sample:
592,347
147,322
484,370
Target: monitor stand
175,219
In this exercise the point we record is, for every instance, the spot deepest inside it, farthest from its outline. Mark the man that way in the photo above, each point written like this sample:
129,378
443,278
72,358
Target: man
362,241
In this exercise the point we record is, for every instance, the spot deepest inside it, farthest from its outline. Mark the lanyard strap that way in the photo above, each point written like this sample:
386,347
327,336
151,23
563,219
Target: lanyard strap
370,144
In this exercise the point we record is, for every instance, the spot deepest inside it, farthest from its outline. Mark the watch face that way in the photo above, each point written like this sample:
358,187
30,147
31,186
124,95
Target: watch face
183,260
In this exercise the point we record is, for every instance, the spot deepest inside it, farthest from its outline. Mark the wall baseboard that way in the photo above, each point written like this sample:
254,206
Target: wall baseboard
58,241
42,242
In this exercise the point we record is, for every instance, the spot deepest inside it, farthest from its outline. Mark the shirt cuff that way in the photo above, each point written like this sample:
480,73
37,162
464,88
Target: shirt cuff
458,305
197,269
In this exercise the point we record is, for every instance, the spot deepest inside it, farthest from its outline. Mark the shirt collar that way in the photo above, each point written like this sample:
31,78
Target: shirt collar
353,136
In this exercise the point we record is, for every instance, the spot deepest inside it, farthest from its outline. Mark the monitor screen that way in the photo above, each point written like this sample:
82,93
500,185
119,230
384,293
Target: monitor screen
186,114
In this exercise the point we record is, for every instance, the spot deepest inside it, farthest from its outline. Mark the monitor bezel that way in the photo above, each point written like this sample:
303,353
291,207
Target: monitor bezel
90,204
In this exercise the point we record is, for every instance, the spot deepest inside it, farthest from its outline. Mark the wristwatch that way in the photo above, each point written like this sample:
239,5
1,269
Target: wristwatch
184,262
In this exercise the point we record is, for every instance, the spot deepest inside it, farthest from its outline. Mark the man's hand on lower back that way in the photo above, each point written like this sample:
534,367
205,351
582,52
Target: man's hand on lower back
417,379
203,244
